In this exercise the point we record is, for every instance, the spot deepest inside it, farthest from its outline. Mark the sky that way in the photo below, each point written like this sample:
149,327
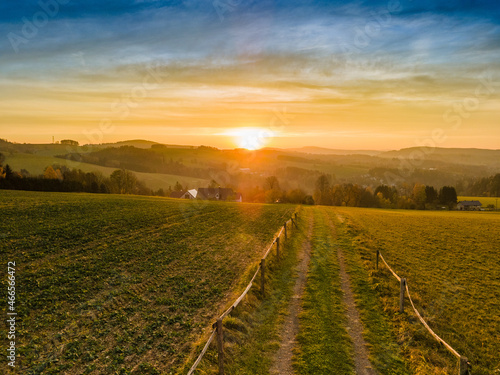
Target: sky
232,73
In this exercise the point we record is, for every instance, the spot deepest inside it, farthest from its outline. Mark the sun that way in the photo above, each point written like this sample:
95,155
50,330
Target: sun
251,138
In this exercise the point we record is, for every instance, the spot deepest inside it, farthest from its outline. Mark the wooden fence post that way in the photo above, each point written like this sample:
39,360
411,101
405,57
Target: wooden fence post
284,226
220,346
278,248
262,276
402,295
464,366
378,254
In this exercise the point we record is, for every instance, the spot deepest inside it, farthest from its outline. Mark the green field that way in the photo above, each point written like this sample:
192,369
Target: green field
109,284
36,165
123,284
452,264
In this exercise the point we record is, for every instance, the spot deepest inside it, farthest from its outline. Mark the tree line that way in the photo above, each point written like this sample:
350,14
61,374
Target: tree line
418,196
482,187
64,179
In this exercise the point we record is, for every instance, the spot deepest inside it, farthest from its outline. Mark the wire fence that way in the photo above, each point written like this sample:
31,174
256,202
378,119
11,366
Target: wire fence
217,331
464,364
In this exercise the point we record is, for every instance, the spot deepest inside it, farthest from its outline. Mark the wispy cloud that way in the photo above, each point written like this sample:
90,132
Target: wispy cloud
320,59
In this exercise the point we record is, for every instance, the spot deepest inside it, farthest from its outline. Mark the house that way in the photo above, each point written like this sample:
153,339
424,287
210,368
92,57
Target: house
219,194
177,194
190,194
193,193
469,206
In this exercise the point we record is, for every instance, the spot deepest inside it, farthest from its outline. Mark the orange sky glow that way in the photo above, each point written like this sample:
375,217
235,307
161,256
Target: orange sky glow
283,75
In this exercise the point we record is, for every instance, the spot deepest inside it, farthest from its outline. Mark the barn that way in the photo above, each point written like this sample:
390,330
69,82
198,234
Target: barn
469,206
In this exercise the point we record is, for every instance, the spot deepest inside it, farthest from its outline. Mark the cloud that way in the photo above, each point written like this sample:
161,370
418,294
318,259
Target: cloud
322,59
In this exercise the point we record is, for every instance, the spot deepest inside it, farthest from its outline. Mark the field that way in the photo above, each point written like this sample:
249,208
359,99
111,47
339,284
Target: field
111,284
122,284
36,164
452,263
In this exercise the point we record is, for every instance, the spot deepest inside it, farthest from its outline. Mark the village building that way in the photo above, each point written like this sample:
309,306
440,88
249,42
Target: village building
218,194
189,194
469,206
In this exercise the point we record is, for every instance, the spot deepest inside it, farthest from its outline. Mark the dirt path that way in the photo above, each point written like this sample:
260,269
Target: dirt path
354,324
283,360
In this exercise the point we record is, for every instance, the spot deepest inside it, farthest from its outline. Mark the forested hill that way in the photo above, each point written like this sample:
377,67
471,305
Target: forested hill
246,169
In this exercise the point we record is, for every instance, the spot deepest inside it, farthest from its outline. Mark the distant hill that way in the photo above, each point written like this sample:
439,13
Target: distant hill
462,156
141,143
161,164
331,151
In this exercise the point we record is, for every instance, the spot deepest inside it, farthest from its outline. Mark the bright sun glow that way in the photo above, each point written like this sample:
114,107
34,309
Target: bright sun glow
251,138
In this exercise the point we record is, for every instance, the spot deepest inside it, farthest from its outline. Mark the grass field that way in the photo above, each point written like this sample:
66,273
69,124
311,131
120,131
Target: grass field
452,263
109,284
36,164
122,284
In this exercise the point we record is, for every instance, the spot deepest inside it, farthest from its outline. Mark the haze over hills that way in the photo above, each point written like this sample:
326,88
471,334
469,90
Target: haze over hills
162,165
330,151
141,143
468,156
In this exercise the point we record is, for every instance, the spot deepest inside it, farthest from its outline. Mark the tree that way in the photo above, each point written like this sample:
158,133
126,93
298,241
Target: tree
351,194
297,196
69,142
273,196
448,196
103,189
124,181
8,172
388,192
309,200
431,195
2,170
322,192
495,186
272,183
50,173
382,201
367,198
419,196
94,187
178,187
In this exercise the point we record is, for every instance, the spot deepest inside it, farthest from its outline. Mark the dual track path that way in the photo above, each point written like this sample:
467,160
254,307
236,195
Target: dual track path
320,253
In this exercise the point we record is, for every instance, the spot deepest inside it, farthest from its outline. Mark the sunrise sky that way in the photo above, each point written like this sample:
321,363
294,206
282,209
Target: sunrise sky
339,74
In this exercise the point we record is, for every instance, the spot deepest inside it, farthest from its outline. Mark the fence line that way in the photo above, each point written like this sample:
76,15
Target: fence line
217,326
200,357
390,269
464,364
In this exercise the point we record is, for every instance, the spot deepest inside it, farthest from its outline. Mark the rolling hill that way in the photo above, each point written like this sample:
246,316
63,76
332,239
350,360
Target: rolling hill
161,165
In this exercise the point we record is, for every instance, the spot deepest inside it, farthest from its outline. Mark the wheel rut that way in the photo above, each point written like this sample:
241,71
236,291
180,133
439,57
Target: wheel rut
362,363
283,360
